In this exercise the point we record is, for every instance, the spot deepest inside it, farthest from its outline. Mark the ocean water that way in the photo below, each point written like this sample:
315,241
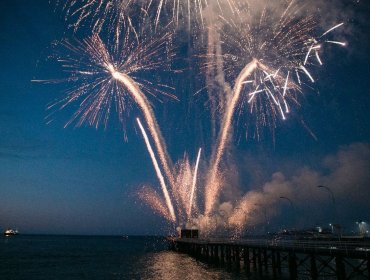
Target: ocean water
39,257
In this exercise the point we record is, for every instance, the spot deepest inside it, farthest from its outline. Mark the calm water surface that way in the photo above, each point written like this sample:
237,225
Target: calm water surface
87,257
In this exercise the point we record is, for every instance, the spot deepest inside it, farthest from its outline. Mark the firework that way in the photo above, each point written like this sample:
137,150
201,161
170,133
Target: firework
191,200
155,201
106,80
115,14
272,48
112,15
185,176
213,184
158,172
267,58
180,10
182,195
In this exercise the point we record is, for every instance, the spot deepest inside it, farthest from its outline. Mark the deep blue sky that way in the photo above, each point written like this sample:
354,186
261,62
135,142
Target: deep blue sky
83,180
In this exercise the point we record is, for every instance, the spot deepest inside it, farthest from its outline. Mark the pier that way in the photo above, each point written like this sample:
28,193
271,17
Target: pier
291,259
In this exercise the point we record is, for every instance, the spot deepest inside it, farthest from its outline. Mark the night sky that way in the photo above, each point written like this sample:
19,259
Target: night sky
84,180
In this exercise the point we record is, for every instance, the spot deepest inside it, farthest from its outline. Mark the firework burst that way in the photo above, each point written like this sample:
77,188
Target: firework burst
274,53
150,197
93,69
182,11
186,177
267,57
106,80
183,195
115,14
111,15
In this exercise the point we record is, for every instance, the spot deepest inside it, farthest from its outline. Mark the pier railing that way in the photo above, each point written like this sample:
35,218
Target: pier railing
313,259
346,247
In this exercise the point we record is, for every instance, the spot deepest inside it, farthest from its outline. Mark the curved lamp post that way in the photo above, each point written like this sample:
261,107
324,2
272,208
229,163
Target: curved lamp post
264,215
291,204
333,200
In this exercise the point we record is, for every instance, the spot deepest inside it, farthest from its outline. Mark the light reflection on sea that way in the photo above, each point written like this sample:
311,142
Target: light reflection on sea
172,266
35,257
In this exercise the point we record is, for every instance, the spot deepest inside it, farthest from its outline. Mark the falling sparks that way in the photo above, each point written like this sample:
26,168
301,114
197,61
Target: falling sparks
158,171
155,201
112,15
181,10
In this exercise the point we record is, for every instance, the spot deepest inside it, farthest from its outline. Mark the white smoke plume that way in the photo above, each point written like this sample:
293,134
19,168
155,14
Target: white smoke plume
298,196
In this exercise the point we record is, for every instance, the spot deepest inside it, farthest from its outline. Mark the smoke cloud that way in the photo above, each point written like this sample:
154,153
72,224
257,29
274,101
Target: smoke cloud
296,196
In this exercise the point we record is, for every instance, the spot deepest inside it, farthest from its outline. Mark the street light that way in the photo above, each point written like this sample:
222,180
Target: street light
264,215
361,227
291,204
332,198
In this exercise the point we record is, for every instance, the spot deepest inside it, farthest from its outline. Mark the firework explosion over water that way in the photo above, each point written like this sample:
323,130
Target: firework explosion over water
263,57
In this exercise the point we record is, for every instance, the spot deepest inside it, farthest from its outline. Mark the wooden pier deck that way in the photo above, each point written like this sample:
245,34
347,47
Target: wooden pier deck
297,259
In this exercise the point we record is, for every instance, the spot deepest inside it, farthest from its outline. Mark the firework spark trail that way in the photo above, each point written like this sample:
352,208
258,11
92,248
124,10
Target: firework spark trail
307,73
337,43
213,184
194,184
158,171
143,103
331,29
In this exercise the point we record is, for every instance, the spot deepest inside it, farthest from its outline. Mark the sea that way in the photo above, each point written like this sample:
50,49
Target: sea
32,257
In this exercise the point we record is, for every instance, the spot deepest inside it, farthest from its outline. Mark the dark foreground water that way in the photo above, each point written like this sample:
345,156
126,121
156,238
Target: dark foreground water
95,257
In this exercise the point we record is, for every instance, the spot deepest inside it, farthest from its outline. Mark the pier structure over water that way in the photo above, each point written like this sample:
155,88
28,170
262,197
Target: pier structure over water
291,259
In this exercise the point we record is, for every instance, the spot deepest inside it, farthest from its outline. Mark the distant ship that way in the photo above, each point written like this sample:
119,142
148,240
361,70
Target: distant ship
10,232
